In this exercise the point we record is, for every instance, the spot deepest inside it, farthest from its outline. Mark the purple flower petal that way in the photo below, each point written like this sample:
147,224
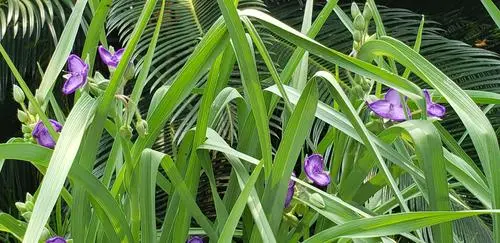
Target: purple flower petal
42,136
73,83
195,239
77,76
291,183
433,109
56,239
106,56
393,97
436,110
313,166
390,107
76,64
109,59
382,108
291,190
119,53
289,196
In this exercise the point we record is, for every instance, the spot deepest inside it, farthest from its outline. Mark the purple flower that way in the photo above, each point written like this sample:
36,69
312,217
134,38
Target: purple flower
313,166
42,136
291,190
109,59
57,239
195,239
77,74
390,107
433,109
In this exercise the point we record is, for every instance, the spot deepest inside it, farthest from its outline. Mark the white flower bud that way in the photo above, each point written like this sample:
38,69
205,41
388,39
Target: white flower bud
18,94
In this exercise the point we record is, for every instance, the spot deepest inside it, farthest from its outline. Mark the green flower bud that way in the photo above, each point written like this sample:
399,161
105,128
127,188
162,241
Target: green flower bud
357,91
18,94
366,86
27,215
129,72
317,200
31,108
29,197
355,10
21,207
357,35
142,127
367,13
39,99
45,234
126,131
359,23
356,46
26,129
22,116
29,206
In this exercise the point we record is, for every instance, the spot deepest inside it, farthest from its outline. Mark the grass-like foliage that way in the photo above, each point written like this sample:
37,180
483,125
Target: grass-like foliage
322,145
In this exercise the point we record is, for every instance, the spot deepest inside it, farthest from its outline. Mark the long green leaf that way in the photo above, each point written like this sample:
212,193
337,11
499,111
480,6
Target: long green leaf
427,143
391,224
12,226
176,179
232,221
294,136
492,10
250,78
60,164
148,171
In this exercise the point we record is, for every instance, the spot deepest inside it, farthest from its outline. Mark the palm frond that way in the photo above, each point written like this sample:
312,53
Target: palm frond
29,17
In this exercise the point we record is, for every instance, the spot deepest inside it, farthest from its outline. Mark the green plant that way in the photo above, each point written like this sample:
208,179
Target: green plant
320,97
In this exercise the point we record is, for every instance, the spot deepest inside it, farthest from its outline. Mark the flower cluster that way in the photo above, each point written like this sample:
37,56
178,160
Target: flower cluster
42,136
391,107
78,69
313,168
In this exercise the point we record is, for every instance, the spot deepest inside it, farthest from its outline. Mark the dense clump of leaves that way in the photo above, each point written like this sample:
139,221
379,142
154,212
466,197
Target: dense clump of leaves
321,144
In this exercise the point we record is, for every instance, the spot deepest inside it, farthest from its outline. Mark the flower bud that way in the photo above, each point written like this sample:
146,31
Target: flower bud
26,129
357,91
355,10
31,108
359,23
29,197
21,207
45,234
18,94
366,86
357,35
22,116
129,72
27,215
356,47
142,127
39,99
367,13
29,206
126,131
317,200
